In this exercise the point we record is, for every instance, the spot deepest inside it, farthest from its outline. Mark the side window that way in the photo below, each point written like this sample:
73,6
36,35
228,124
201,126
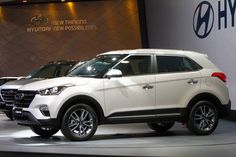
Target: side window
63,70
46,72
135,65
170,64
190,64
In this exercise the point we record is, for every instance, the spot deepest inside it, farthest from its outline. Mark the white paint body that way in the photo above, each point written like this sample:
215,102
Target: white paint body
122,94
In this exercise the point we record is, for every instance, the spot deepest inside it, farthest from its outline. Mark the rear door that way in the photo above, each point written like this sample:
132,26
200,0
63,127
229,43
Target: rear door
178,78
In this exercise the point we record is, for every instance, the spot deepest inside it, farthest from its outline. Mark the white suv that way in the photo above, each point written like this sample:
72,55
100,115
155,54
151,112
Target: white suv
159,87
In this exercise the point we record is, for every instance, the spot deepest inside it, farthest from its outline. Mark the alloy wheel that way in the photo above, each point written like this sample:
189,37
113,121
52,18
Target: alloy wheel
80,122
204,118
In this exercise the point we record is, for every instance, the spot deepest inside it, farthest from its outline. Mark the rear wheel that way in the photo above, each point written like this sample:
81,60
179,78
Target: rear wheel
44,132
161,127
79,122
203,118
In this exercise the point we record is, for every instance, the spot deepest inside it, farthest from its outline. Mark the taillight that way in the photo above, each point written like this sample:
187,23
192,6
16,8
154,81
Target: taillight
220,75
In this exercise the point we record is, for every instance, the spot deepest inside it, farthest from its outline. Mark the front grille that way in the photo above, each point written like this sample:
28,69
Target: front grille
8,95
24,98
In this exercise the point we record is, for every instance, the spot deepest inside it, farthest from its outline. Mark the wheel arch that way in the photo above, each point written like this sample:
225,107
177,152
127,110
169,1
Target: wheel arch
202,96
82,99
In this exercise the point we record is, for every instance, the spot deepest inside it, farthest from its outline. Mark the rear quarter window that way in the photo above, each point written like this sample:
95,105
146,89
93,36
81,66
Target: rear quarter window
173,64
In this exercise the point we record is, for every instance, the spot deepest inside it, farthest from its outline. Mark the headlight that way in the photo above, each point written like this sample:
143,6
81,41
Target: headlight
54,90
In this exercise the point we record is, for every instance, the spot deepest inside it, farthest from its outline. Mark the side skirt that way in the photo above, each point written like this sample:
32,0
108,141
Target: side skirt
162,115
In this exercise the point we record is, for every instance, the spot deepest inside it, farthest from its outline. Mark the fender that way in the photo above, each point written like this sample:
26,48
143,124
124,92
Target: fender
202,96
82,99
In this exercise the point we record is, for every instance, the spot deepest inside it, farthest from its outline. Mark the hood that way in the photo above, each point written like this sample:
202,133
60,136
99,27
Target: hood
19,83
55,82
3,78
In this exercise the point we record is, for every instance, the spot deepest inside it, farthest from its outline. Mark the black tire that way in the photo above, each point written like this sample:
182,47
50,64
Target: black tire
9,115
44,132
203,118
79,123
161,127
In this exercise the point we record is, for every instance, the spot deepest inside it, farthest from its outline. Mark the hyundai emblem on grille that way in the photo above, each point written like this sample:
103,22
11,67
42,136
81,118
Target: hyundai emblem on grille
19,96
11,92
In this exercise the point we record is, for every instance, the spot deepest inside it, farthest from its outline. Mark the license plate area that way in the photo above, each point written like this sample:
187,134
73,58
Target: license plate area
18,112
9,104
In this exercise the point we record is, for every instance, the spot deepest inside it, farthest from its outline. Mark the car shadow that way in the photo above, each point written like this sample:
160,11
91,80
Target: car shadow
58,139
132,135
177,131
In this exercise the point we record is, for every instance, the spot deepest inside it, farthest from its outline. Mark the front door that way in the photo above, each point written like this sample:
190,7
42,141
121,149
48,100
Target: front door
135,90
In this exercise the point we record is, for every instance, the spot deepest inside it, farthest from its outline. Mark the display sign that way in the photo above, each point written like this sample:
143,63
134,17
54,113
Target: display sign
32,35
206,26
40,23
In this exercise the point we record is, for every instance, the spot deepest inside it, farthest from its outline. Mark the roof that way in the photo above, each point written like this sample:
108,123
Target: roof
154,51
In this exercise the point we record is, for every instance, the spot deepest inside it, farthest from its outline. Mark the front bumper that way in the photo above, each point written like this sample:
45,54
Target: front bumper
27,119
5,108
225,110
34,116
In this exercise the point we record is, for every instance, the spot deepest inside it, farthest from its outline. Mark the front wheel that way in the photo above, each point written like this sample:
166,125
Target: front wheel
79,122
203,118
161,127
44,132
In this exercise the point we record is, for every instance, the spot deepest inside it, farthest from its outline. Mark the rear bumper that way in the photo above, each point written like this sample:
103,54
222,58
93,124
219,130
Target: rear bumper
27,119
225,110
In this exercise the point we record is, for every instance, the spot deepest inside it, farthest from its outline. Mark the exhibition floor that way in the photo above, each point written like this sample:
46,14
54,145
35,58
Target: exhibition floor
125,140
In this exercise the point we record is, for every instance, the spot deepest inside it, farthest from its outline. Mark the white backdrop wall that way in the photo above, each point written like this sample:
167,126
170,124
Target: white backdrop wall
171,24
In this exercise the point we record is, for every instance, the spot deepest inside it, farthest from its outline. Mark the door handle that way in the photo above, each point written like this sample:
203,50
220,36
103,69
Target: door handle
192,81
148,86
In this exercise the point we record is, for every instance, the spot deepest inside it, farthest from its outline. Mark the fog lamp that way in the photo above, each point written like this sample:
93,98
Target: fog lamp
44,110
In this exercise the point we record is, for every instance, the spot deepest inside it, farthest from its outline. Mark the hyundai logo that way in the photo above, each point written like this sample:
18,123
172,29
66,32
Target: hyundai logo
11,92
203,19
19,96
39,20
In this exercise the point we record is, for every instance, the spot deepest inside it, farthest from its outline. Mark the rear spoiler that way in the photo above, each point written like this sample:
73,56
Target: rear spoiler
205,55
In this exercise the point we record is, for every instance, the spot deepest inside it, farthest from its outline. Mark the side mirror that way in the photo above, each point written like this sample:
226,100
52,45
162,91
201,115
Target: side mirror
114,73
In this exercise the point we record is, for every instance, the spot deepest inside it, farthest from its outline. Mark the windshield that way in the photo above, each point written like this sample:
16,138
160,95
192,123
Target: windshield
76,66
97,67
47,71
